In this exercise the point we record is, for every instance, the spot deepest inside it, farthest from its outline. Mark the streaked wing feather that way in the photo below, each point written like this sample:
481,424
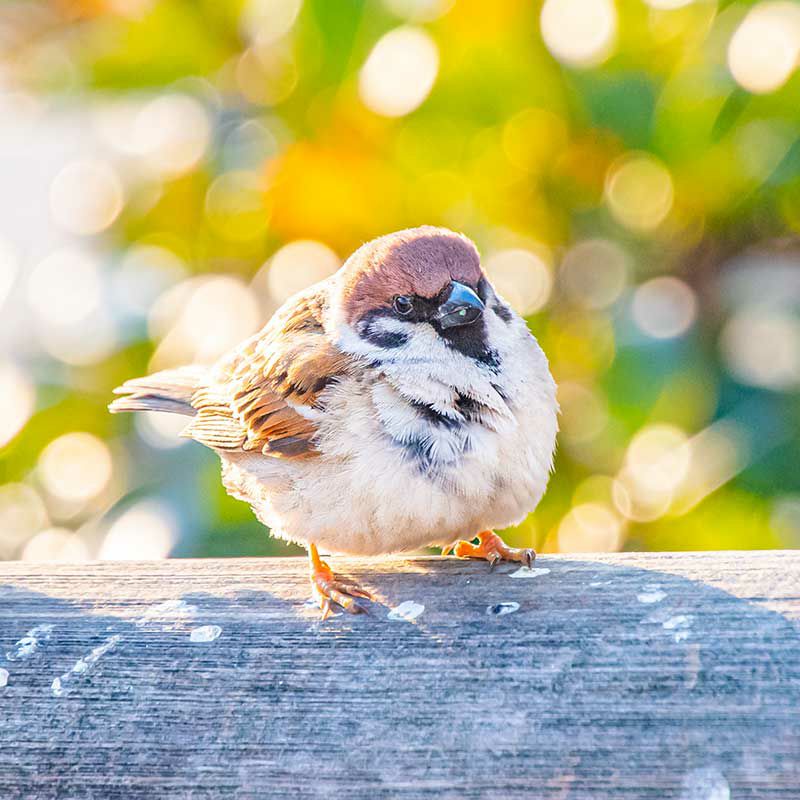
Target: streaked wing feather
253,399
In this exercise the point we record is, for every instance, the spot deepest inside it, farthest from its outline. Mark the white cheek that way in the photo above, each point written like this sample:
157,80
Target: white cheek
424,345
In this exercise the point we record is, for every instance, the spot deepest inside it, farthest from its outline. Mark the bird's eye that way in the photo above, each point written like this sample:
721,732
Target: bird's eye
403,305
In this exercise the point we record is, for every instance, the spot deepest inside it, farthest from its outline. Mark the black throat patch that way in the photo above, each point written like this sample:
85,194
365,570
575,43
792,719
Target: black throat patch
472,342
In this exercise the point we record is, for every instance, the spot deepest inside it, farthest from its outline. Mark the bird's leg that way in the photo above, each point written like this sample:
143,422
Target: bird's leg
491,547
329,589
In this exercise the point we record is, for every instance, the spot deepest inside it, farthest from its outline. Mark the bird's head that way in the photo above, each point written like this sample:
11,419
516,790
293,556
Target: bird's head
415,295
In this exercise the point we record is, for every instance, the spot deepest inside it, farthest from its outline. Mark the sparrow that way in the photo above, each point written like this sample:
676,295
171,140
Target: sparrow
400,403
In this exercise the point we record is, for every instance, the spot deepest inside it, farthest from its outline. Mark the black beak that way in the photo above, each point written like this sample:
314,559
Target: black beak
462,307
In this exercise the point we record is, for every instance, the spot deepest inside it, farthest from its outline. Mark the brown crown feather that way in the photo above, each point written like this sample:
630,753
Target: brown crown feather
419,261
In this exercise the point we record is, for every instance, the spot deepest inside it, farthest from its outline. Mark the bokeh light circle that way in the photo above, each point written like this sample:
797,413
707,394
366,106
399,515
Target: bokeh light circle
664,307
521,277
56,544
147,530
580,33
22,514
9,269
66,287
298,265
658,458
86,196
762,348
17,401
75,467
171,134
590,527
764,49
639,191
200,319
594,273
419,10
266,21
399,72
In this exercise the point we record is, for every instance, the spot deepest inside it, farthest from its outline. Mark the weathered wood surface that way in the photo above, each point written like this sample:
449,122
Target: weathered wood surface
637,676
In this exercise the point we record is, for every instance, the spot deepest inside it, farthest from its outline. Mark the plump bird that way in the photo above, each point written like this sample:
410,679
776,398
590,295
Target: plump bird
397,404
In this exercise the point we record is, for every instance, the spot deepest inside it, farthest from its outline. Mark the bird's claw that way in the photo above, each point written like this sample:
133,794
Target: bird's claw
329,590
492,548
325,606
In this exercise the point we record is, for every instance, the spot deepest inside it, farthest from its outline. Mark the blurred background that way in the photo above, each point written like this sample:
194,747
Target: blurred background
170,172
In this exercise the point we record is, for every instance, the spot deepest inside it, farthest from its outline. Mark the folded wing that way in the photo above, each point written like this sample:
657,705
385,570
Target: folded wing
264,397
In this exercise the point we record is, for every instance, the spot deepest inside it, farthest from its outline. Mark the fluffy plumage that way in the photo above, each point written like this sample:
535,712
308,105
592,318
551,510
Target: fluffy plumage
349,425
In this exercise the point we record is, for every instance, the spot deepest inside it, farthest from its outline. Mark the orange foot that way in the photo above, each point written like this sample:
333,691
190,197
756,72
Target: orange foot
329,589
491,547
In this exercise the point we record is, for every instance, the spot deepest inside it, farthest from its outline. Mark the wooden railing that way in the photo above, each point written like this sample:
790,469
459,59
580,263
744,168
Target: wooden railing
635,675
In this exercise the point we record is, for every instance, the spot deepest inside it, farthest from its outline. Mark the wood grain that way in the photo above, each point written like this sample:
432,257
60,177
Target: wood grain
630,676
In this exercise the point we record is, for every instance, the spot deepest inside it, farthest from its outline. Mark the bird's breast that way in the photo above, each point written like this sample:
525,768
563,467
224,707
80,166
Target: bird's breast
421,445
404,466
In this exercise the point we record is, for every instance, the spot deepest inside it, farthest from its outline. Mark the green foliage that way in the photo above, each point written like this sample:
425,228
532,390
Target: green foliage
523,152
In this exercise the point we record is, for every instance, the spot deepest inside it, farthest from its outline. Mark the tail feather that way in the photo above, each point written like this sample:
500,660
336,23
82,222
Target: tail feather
170,390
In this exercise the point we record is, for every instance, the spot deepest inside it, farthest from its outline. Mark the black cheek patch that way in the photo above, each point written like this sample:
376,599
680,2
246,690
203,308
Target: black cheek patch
504,312
487,294
387,340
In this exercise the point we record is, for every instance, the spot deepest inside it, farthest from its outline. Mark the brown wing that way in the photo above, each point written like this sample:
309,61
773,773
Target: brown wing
252,400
